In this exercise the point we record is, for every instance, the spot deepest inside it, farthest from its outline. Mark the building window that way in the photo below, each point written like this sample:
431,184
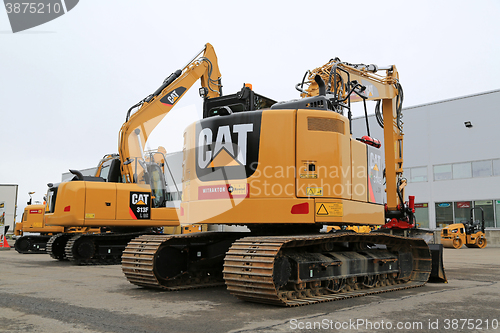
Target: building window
489,216
496,167
462,170
481,168
442,172
444,213
422,215
462,211
418,174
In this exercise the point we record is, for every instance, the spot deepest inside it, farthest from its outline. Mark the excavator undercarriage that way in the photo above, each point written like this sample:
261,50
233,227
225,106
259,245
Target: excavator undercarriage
90,249
283,270
32,244
175,262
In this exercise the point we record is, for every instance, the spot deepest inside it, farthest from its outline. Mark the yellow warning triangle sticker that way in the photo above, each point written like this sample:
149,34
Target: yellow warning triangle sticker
322,210
223,159
375,168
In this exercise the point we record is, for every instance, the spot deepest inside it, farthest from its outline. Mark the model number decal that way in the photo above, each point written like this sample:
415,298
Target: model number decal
140,205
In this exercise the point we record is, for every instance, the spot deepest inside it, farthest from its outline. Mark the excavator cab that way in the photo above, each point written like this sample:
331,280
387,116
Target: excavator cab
158,185
154,176
154,165
114,173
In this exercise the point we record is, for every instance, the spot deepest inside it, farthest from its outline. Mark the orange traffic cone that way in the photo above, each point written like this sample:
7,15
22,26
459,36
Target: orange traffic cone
3,243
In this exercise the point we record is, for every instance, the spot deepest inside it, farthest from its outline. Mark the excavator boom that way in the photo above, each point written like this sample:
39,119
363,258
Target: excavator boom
358,82
151,110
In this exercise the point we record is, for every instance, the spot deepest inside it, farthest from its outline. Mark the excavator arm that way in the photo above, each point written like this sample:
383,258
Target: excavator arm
151,110
347,83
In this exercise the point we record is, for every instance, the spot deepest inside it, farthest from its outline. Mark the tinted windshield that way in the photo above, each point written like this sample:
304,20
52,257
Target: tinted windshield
105,169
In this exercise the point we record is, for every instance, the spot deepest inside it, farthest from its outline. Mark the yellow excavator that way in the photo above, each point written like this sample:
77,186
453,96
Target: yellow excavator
284,170
32,234
132,201
469,233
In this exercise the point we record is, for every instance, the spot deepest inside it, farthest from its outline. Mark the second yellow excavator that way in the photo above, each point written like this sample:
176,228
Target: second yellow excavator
132,201
32,234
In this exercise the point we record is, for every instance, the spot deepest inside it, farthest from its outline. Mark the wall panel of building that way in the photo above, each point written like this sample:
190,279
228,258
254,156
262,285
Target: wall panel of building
460,162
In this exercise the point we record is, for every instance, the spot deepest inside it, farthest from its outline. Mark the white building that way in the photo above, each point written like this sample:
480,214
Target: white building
8,205
451,158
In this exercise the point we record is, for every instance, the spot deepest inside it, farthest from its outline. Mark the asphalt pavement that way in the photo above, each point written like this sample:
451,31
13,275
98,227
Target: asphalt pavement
39,294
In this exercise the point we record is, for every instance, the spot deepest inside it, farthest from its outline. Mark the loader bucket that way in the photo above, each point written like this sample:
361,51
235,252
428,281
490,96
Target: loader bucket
437,272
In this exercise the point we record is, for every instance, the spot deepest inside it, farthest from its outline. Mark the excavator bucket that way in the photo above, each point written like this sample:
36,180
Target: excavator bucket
437,272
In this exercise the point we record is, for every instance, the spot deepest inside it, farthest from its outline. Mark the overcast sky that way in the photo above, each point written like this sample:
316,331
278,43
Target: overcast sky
65,86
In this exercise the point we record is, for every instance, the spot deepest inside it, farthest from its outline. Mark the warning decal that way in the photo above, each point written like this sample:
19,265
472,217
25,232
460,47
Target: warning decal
329,209
318,191
308,176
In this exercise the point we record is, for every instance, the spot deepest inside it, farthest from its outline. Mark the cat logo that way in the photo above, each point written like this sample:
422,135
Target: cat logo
375,175
172,97
224,152
139,199
140,205
228,143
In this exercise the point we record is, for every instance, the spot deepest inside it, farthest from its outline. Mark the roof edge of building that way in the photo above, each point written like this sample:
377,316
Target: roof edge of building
443,101
453,99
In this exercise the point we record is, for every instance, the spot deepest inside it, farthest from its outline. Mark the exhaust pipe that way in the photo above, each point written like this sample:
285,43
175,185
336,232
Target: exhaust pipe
321,85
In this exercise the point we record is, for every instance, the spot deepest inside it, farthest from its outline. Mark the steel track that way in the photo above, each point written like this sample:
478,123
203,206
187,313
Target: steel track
249,265
97,240
36,244
140,267
53,243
